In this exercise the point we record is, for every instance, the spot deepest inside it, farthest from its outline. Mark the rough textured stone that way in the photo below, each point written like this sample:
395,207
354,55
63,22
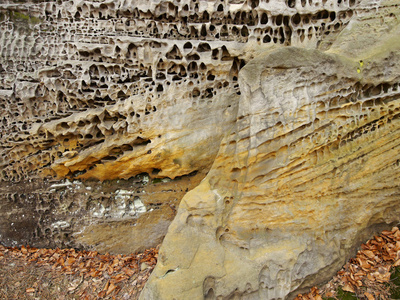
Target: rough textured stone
309,170
119,216
95,87
112,110
108,90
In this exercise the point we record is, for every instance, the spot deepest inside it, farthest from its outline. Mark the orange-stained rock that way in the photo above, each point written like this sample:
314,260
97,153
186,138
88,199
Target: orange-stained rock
309,171
111,111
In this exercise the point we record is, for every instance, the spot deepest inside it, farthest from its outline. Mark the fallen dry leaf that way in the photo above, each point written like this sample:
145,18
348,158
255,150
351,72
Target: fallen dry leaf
348,288
369,296
128,271
111,288
101,294
91,267
397,263
368,253
70,260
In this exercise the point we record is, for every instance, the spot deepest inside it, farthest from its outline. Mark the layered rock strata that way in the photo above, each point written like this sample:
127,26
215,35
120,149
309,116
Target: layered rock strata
310,168
112,89
109,90
112,110
117,216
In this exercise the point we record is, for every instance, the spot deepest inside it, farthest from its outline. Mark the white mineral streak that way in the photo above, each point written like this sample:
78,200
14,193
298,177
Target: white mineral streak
60,224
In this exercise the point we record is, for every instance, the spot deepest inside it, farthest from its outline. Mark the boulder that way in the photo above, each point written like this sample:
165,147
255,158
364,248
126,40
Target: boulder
309,170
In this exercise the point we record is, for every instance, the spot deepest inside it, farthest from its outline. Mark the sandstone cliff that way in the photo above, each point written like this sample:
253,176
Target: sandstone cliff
310,168
113,110
103,103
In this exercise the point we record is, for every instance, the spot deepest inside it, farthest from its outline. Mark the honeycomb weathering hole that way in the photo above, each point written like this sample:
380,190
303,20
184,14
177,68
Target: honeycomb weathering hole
125,54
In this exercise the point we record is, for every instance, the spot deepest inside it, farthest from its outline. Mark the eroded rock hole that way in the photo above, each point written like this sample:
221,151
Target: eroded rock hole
174,53
278,20
267,39
196,92
264,19
203,47
254,3
291,3
215,54
139,141
203,31
296,19
244,31
188,45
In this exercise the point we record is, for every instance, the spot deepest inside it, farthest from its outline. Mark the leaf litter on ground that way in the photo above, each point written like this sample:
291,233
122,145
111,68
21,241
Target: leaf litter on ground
368,276
32,273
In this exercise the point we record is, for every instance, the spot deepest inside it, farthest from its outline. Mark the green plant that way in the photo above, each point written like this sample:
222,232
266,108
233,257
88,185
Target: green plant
395,283
344,295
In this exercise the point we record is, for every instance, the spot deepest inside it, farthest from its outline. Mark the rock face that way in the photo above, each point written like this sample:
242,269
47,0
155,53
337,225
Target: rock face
103,91
110,93
120,216
112,110
310,168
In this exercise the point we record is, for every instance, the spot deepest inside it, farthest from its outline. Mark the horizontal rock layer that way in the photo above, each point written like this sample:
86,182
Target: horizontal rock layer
117,216
113,89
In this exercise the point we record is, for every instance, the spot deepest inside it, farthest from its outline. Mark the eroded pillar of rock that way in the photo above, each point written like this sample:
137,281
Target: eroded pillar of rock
310,169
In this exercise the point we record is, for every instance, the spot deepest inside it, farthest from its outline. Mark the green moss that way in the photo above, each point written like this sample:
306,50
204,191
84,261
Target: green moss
344,295
157,180
18,16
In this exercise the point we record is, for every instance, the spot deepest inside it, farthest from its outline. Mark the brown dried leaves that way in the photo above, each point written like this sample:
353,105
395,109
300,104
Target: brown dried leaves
103,274
365,274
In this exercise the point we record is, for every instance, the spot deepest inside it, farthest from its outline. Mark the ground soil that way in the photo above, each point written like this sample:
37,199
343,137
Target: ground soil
30,273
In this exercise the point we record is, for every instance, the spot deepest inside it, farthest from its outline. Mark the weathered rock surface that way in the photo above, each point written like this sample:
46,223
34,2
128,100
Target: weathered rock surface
112,110
310,168
119,216
108,90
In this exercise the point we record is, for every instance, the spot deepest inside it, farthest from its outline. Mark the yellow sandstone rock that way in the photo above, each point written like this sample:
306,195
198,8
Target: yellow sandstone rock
309,170
111,111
